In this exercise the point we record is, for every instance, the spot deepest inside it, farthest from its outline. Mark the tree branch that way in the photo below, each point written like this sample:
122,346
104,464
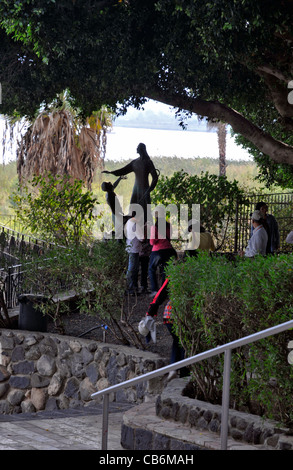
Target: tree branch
278,151
268,70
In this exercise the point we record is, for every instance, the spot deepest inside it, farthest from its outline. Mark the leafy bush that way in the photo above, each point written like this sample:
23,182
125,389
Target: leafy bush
57,209
217,301
216,195
94,276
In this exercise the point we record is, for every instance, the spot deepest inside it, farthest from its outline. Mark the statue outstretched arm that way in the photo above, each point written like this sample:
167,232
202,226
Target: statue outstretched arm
121,171
118,181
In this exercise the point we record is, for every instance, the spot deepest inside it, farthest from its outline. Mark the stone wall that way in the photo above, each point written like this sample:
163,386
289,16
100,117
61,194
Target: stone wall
203,416
44,371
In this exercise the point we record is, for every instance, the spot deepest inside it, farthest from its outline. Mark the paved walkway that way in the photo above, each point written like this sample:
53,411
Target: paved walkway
81,429
74,429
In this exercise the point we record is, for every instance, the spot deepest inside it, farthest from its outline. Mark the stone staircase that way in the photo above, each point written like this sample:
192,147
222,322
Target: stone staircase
175,422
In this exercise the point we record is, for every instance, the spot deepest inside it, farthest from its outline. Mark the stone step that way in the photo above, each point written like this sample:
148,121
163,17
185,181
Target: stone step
142,429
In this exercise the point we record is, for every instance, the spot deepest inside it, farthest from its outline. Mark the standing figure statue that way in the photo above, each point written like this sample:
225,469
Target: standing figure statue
142,168
112,199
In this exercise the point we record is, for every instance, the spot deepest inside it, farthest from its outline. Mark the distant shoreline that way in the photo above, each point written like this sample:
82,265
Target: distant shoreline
163,127
122,143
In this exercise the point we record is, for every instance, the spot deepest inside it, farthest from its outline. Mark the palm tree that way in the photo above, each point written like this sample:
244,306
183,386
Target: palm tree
60,143
222,135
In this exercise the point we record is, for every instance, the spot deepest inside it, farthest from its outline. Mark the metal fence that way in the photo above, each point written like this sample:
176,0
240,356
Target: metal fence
10,221
279,205
237,233
13,245
11,280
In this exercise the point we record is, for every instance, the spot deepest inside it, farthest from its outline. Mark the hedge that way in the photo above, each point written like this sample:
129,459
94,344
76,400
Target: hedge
217,300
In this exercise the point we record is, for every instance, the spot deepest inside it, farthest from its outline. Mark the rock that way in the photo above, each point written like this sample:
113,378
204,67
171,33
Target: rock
30,341
20,381
15,397
55,384
46,365
3,389
4,374
38,381
18,354
86,389
102,384
38,398
52,404
92,372
72,388
43,371
7,342
75,346
48,347
23,367
27,406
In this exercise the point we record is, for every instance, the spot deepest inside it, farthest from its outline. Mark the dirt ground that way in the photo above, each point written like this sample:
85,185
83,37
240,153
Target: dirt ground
89,326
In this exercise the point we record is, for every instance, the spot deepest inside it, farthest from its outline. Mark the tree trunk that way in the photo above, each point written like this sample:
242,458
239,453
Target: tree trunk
222,134
278,151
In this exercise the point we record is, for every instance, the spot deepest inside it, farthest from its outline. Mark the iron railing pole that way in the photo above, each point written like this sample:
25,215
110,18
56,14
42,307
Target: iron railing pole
225,399
105,421
226,348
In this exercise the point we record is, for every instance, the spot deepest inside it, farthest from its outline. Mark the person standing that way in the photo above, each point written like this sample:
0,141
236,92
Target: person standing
257,244
177,350
289,238
271,225
162,249
198,241
134,234
144,258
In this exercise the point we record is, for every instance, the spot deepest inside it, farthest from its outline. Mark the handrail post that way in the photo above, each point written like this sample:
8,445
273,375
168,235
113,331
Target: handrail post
225,399
105,422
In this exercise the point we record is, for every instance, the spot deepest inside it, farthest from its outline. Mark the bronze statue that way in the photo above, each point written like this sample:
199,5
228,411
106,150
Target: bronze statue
142,168
111,197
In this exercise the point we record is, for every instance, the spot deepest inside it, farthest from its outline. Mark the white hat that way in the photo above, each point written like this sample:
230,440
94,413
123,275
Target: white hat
256,215
148,326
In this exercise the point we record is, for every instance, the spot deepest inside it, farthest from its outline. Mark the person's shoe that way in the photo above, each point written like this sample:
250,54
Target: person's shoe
172,375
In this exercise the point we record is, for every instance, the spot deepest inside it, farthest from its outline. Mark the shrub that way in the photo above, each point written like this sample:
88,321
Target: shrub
55,208
216,195
94,275
216,301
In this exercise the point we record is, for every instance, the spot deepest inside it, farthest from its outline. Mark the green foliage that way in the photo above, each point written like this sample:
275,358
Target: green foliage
270,173
91,279
217,301
8,184
216,195
58,210
191,54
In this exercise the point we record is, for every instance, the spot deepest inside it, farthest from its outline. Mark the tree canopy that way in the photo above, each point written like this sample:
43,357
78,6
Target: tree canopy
227,61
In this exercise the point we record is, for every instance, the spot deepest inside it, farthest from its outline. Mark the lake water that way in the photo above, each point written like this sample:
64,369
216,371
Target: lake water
122,143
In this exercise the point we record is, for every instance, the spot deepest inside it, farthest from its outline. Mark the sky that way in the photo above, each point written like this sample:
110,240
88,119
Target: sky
158,127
